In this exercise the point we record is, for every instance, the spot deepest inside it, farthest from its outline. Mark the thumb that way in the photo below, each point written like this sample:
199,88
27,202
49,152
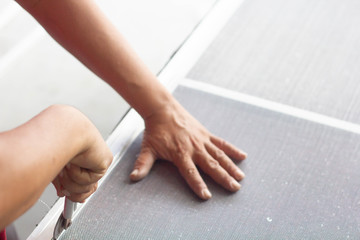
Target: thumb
143,164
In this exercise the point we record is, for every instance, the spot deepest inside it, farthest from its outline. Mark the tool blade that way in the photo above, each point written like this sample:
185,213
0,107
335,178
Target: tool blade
59,227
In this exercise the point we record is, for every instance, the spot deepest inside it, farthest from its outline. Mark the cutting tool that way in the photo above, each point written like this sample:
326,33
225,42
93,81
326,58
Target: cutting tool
65,217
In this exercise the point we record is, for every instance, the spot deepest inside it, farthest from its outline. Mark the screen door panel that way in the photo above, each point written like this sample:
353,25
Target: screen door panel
302,182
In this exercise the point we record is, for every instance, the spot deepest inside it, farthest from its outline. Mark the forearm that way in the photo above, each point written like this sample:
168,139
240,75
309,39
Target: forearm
34,153
80,27
170,131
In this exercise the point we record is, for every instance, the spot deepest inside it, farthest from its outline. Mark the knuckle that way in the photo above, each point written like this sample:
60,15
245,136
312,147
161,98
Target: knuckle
219,154
107,160
223,143
139,163
213,164
191,171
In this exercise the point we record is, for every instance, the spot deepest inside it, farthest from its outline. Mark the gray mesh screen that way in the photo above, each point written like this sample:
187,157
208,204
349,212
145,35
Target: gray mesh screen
302,53
302,183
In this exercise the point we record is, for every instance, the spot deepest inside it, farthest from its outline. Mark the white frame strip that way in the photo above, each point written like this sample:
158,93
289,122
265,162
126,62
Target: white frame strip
190,52
271,105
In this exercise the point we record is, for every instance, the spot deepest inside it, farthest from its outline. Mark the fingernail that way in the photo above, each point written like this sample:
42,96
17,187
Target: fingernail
244,153
235,185
239,174
206,194
134,173
66,192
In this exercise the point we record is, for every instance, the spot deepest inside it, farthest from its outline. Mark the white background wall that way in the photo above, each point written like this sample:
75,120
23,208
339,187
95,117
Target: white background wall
36,72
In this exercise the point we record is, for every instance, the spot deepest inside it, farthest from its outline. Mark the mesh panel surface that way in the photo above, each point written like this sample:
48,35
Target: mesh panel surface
302,183
302,53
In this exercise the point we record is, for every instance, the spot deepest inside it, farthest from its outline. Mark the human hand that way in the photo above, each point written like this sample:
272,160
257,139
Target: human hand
79,178
173,134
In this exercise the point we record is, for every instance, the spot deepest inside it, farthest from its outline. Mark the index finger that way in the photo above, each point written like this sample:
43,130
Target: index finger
192,176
